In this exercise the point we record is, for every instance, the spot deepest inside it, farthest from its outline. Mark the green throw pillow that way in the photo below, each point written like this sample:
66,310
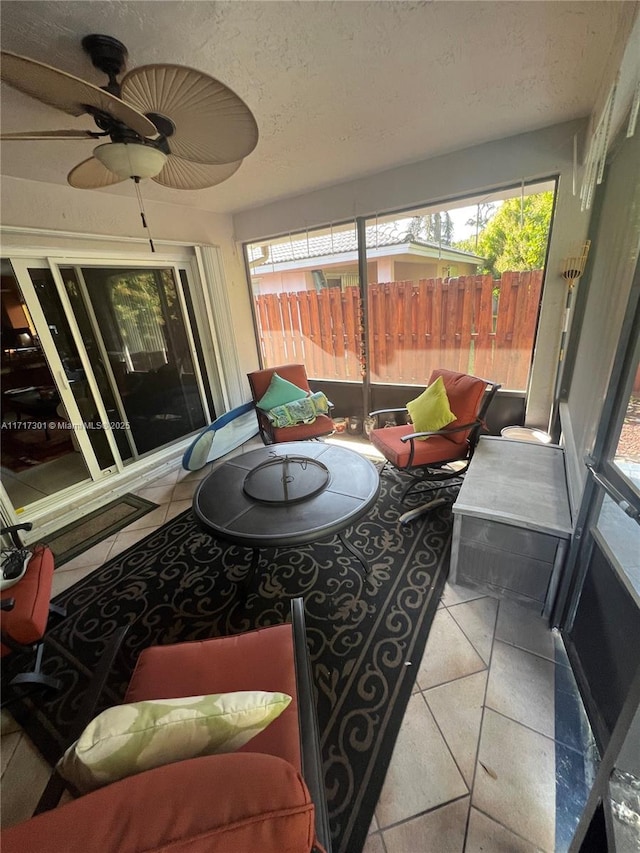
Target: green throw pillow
127,739
430,411
279,392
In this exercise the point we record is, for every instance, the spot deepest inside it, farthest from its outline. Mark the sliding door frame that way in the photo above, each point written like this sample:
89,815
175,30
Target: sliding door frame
44,249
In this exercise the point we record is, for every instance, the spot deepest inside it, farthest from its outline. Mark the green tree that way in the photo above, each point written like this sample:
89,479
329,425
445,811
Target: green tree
484,212
432,227
516,237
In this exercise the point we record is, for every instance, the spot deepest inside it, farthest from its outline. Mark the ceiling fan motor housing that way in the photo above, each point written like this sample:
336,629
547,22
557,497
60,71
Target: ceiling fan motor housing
107,54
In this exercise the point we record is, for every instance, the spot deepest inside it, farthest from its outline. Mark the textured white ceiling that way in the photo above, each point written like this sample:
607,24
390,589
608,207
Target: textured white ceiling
339,89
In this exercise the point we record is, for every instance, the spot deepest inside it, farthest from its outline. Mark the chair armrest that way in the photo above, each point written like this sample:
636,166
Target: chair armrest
308,724
12,531
444,431
386,411
56,785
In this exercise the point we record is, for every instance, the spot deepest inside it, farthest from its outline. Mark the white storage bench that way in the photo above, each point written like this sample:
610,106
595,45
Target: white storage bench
512,522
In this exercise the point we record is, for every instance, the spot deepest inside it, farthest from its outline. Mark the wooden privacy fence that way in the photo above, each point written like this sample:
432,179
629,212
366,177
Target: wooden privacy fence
471,324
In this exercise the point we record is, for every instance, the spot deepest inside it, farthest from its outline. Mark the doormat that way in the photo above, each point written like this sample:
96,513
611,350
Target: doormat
83,534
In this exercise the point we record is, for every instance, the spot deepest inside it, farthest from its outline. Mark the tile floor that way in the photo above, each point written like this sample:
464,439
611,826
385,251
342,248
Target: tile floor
474,766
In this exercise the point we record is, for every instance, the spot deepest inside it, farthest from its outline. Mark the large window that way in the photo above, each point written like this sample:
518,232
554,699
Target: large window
457,286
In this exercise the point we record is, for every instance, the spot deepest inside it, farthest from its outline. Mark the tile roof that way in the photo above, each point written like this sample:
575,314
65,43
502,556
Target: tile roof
338,242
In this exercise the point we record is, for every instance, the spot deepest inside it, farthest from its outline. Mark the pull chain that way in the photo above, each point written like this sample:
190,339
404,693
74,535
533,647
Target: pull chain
136,182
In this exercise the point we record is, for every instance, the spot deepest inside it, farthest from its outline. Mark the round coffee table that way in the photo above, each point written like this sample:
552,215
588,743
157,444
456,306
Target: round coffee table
287,494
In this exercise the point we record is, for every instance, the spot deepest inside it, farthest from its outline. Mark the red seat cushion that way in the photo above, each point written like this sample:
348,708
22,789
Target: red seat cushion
256,660
435,450
301,431
27,621
212,804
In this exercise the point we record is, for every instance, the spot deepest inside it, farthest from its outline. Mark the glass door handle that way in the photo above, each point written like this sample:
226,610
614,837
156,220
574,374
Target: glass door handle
62,376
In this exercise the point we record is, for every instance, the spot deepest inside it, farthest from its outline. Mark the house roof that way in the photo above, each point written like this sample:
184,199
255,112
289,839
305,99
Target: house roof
340,90
337,244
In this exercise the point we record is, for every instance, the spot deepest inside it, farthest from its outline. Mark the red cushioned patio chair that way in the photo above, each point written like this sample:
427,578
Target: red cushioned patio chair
259,382
24,613
442,459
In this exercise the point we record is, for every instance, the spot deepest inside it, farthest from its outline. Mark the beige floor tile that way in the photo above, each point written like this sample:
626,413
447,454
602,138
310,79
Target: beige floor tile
8,745
7,723
126,538
158,494
523,628
373,827
457,708
421,774
487,836
373,844
185,489
448,655
442,830
477,619
22,783
63,580
176,507
456,594
518,787
521,686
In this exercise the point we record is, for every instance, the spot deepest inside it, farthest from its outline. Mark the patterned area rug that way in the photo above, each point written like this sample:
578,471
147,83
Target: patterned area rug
181,584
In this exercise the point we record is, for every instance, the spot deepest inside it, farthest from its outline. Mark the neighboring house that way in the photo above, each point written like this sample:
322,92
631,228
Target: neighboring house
331,260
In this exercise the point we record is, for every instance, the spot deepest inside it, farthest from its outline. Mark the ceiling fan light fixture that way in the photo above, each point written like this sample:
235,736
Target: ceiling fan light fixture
131,159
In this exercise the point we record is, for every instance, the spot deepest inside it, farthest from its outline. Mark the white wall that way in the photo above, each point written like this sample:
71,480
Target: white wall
54,207
529,156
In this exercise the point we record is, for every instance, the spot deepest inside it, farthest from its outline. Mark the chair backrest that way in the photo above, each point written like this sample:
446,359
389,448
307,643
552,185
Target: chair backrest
259,380
465,394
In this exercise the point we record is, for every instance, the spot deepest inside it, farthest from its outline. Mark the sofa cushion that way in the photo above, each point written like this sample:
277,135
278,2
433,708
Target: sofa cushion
279,392
430,411
130,738
211,804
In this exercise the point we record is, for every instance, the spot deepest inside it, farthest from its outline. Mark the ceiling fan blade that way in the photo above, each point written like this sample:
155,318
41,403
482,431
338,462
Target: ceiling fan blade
49,134
182,174
212,124
92,175
68,93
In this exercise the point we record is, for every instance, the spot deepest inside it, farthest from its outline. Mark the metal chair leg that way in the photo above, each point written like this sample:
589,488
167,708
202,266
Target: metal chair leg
408,516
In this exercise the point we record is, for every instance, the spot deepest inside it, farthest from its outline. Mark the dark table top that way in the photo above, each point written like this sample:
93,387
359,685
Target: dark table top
222,506
31,402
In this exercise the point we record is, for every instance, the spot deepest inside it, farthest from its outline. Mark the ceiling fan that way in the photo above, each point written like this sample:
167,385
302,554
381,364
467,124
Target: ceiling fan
173,124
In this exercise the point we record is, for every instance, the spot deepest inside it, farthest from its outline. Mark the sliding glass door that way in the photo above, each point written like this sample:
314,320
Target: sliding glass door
137,340
40,456
100,368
